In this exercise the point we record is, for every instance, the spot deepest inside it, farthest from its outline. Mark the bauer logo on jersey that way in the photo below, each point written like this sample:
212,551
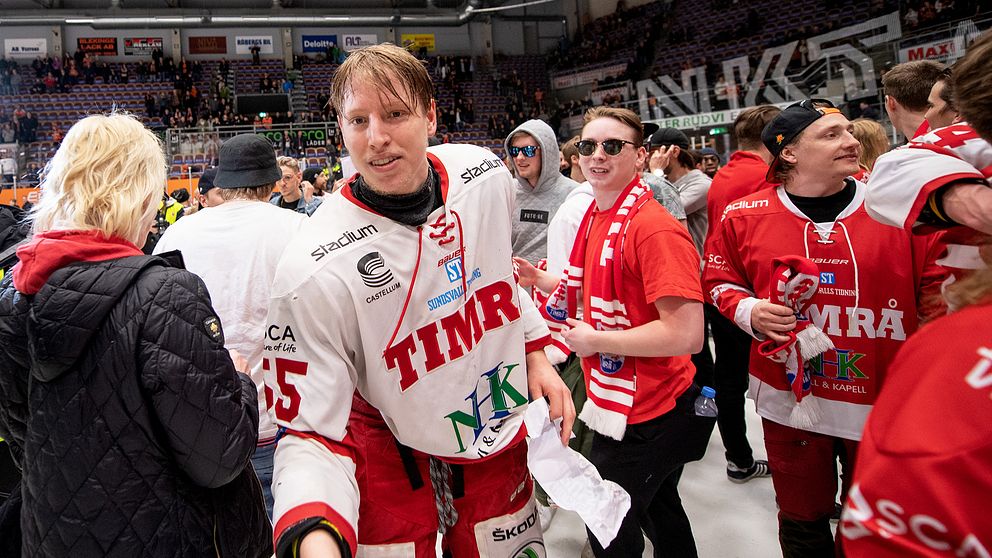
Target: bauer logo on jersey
374,271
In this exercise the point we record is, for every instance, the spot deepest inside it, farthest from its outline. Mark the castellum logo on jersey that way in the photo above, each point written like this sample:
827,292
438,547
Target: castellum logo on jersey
493,399
453,336
374,271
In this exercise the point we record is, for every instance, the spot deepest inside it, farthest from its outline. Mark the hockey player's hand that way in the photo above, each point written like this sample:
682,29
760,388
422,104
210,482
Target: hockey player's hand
543,381
773,320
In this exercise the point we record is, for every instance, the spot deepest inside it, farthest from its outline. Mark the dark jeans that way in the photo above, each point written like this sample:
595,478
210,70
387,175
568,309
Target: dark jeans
648,463
730,370
262,462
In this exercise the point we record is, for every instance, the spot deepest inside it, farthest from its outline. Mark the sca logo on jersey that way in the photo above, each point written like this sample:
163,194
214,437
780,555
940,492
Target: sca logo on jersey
493,399
374,271
472,173
505,534
868,515
344,240
453,336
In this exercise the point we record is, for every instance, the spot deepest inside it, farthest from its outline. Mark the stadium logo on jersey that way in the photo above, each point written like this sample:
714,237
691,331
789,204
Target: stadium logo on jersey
345,239
493,399
472,173
743,204
374,271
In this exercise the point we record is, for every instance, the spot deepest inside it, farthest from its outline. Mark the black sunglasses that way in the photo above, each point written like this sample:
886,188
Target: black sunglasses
528,150
612,147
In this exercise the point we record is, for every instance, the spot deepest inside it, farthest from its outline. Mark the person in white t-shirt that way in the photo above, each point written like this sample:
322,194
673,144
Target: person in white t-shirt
236,258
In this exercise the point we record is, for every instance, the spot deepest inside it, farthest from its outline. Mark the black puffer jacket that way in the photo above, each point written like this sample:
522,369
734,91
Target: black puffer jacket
132,427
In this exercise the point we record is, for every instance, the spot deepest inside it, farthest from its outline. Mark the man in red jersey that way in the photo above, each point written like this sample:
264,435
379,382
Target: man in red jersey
816,217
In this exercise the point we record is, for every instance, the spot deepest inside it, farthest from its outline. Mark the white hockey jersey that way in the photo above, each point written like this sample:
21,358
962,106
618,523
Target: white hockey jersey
904,178
427,323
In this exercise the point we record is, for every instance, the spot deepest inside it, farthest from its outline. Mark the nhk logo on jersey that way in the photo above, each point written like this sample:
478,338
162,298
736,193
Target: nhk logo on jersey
493,399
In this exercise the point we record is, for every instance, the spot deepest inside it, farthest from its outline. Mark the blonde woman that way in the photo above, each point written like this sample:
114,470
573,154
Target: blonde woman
131,425
874,142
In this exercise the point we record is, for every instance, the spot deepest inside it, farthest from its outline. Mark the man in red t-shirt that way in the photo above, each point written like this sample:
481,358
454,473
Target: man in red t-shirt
638,274
743,175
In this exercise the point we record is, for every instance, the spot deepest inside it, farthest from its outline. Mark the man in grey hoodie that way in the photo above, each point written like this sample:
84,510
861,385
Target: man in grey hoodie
541,188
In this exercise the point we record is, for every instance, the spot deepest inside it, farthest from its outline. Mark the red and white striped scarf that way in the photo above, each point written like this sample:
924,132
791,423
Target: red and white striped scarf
611,382
795,281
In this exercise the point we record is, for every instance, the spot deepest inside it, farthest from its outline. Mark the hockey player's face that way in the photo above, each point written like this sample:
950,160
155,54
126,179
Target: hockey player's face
827,146
605,171
387,138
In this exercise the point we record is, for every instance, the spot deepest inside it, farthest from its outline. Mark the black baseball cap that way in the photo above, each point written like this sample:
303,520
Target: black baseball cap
786,127
206,181
669,136
246,161
649,129
310,174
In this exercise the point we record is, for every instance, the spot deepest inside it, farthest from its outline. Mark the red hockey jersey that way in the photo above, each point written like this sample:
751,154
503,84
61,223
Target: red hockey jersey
922,485
871,279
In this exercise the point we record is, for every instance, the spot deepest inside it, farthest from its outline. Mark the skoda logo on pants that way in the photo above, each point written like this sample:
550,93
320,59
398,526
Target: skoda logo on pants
375,273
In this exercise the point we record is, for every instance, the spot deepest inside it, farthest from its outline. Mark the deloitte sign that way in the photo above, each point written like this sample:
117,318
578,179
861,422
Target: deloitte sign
318,43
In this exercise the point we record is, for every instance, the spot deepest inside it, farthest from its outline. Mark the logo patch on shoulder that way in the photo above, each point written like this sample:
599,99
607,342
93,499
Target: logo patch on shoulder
212,326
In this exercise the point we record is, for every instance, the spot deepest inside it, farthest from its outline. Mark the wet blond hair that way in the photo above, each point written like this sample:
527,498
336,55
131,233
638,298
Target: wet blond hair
108,175
388,68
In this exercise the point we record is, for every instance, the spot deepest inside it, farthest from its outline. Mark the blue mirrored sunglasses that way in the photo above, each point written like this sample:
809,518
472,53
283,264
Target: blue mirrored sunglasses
528,151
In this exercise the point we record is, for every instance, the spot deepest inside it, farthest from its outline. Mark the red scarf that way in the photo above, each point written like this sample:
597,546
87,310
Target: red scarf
611,384
796,280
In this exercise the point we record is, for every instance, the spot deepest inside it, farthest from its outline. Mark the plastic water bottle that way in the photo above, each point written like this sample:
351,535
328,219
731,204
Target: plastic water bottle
705,405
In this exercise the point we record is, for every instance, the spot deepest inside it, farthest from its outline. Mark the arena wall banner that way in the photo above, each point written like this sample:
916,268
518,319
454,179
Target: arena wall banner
141,46
589,76
25,48
243,44
104,46
945,50
351,42
318,43
208,45
417,41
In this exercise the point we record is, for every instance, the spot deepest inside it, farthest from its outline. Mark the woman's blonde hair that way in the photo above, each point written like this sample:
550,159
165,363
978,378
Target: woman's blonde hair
108,175
874,141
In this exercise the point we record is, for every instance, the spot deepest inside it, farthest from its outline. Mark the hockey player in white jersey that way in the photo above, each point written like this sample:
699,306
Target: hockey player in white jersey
401,352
